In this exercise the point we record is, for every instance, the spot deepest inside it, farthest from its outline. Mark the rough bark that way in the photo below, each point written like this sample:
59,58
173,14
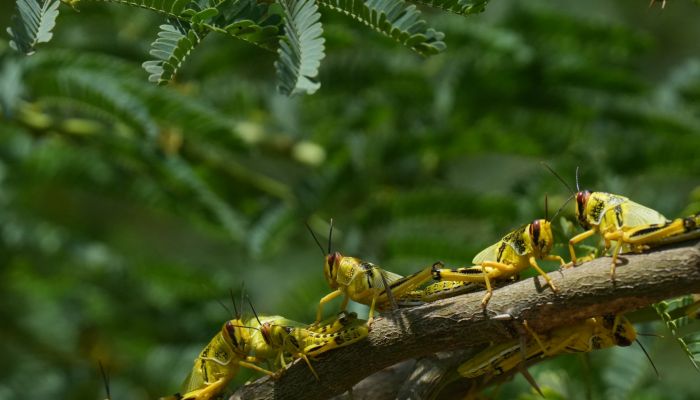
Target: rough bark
459,323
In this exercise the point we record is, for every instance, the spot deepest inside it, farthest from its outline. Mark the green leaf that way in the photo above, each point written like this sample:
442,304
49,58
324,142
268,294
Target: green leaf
395,19
204,15
664,309
258,23
462,7
33,24
173,45
301,48
171,8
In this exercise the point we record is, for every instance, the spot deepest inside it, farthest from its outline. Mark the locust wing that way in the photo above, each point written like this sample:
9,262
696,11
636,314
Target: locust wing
488,254
634,214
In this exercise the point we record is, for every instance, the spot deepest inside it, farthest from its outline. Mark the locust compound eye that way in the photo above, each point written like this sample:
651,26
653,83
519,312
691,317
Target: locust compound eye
265,331
231,331
332,259
581,200
535,231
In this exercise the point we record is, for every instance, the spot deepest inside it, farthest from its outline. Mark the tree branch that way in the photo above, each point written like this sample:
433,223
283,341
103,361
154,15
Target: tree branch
459,323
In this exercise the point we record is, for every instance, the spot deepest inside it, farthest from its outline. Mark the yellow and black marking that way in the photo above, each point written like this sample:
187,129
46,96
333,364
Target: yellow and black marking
505,259
437,290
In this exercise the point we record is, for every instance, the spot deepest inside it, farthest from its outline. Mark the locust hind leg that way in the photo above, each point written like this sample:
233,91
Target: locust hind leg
211,391
306,359
403,286
478,274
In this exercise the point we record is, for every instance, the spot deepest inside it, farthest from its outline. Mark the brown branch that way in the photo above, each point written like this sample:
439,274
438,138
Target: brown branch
459,323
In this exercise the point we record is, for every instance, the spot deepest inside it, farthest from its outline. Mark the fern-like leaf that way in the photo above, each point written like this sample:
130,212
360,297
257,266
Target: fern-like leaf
689,342
393,18
173,45
170,8
301,48
461,7
33,24
251,21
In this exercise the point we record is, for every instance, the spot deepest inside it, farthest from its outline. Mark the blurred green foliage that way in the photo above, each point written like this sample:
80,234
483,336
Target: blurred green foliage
128,210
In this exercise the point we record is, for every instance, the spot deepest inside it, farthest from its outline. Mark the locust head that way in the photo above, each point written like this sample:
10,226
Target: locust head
581,196
233,334
332,259
622,330
541,237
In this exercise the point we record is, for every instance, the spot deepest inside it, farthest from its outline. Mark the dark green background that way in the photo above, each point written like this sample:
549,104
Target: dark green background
117,247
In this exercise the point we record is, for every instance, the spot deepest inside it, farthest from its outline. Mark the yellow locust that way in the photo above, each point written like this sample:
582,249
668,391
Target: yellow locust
619,219
363,281
592,334
506,258
265,339
283,337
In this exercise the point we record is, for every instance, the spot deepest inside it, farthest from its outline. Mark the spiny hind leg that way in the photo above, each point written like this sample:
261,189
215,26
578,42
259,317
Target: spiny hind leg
249,364
474,274
558,348
212,390
306,359
654,232
405,285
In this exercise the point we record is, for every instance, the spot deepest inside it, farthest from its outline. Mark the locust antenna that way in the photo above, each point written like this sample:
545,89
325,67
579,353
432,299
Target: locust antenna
650,334
656,371
562,207
243,296
105,379
245,327
330,237
578,188
546,208
560,178
228,310
233,301
253,308
316,240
